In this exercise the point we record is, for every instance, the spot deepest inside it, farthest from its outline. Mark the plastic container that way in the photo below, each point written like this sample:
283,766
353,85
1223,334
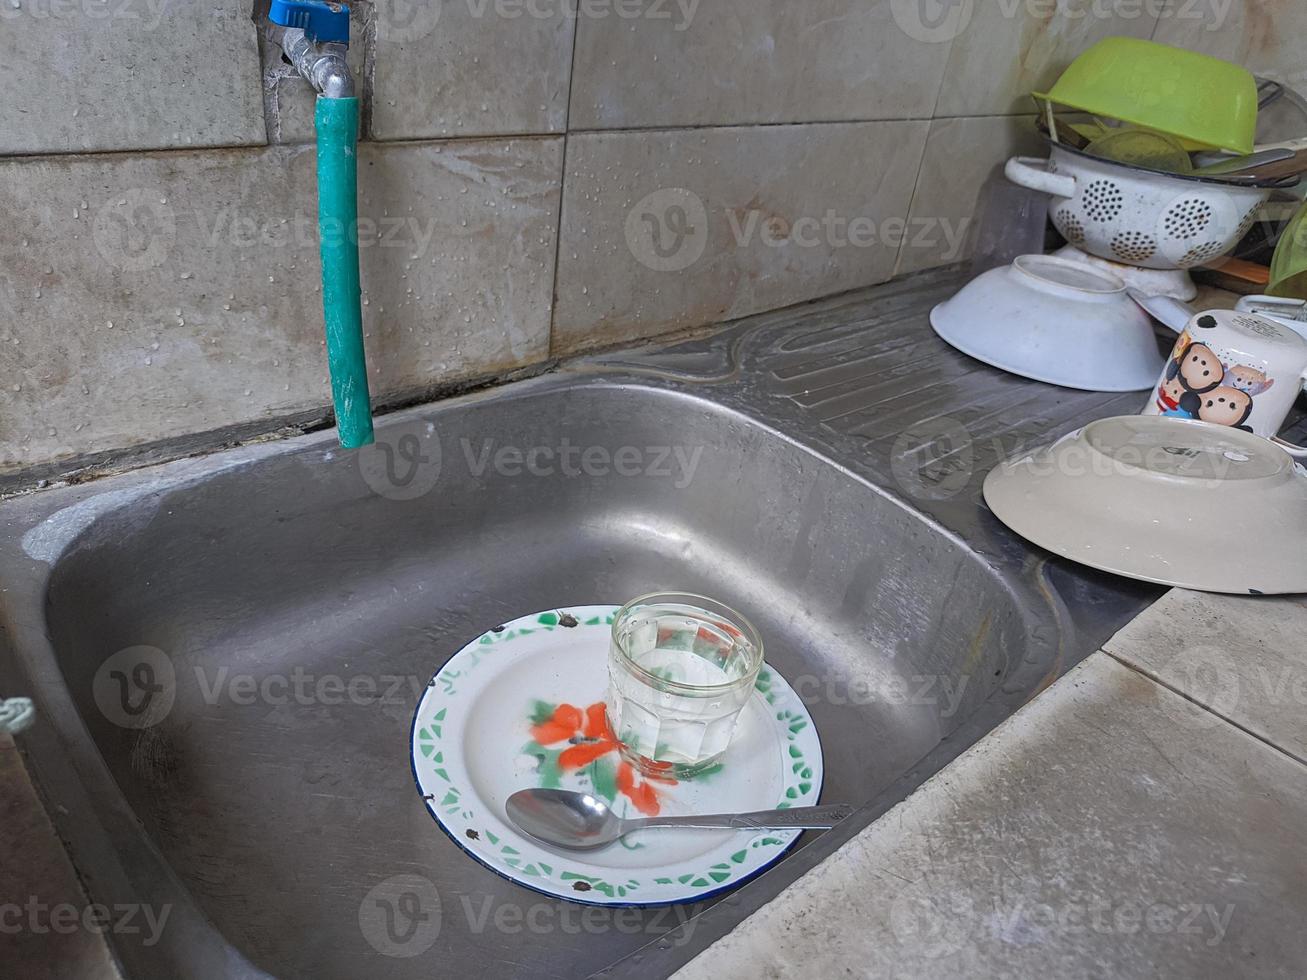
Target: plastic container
1196,97
1289,266
1011,221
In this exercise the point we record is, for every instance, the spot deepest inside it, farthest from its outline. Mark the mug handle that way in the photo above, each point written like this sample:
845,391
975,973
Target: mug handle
1297,452
1032,173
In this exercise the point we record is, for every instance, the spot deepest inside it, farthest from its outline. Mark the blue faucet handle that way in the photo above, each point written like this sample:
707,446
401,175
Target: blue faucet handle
327,23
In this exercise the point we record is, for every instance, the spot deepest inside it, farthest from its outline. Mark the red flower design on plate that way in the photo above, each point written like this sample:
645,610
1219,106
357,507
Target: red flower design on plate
592,739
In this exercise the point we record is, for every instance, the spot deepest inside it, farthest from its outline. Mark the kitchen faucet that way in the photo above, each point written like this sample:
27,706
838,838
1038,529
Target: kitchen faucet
315,37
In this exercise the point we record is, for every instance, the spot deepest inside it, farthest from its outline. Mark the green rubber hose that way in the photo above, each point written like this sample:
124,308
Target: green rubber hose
337,121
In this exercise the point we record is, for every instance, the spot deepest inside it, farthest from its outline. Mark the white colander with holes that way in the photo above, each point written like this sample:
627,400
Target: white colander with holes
1139,217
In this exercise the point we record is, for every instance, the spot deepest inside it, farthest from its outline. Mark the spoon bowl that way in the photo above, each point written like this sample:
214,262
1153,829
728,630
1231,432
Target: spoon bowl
563,818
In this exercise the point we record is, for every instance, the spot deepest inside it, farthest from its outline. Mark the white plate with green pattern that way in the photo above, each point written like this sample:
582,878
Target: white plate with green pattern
522,706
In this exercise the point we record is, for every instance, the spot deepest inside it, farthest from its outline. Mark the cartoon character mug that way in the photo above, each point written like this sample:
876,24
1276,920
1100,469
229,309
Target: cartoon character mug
1235,369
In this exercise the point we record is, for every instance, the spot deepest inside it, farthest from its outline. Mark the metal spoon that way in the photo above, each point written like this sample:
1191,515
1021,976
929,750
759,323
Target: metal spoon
579,821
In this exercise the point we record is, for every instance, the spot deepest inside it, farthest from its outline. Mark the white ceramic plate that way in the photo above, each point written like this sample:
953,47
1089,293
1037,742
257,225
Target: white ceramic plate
522,707
1165,500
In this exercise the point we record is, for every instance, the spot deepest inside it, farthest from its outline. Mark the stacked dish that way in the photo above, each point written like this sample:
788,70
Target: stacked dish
1134,183
1139,217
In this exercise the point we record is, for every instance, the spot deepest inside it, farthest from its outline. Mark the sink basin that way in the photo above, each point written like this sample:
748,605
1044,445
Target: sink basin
303,596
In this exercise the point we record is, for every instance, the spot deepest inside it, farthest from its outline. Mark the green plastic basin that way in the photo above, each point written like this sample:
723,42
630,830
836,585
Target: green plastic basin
1201,99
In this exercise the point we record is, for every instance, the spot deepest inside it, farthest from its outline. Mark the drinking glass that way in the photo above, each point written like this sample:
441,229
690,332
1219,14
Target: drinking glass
681,668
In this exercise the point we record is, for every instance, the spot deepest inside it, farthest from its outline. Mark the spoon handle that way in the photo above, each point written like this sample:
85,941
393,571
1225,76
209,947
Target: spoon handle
807,817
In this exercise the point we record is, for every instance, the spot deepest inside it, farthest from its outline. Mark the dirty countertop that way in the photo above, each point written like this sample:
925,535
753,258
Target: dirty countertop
1144,817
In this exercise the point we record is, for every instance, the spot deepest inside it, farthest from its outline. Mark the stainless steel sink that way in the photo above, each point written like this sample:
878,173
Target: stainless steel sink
805,467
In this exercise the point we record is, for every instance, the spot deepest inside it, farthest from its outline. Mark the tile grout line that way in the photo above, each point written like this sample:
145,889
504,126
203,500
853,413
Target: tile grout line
1225,718
747,124
50,156
943,77
912,198
562,189
897,268
1157,26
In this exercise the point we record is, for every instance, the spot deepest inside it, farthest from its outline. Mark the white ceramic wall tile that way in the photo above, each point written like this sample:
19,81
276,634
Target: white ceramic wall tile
114,75
663,229
1002,50
178,293
470,68
961,154
1266,36
727,62
677,228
